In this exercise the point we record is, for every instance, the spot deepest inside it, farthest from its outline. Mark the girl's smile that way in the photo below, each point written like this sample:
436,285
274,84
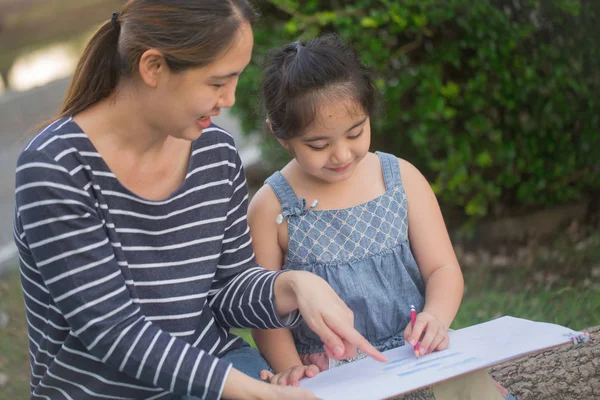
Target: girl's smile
341,169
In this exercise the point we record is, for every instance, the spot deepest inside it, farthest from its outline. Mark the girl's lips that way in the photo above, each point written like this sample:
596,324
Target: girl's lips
204,123
342,169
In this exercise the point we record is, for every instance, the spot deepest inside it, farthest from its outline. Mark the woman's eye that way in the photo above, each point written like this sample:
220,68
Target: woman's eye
218,85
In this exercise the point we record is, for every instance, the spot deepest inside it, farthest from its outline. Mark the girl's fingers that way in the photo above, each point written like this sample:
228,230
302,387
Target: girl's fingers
312,371
266,375
284,379
276,380
296,374
444,343
435,343
417,331
430,335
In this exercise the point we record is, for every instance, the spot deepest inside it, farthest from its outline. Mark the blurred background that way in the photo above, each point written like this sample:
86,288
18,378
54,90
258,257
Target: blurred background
496,101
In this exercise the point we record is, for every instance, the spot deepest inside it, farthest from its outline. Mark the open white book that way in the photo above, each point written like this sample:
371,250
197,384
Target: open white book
476,347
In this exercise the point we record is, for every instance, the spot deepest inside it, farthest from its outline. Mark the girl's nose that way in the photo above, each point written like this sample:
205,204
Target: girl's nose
341,156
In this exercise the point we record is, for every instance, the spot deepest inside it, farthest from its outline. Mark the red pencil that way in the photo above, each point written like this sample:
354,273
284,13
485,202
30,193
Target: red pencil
413,318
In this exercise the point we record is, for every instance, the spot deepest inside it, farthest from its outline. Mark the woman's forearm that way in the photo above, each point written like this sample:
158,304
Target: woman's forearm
240,386
443,293
285,292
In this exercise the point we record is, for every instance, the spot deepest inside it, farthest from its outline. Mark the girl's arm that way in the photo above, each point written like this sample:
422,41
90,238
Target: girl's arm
432,248
276,345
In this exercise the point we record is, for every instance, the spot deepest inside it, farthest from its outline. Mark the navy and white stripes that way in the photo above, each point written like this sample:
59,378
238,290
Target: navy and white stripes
128,298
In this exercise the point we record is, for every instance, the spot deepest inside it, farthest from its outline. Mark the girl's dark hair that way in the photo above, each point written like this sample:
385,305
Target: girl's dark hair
299,76
187,33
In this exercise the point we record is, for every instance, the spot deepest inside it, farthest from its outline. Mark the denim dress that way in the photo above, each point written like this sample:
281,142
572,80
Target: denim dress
363,252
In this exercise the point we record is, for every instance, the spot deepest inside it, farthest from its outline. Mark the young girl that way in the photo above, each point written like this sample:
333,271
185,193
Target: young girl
368,223
131,222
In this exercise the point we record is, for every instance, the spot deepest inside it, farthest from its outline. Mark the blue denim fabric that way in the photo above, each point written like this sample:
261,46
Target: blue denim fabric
246,359
363,252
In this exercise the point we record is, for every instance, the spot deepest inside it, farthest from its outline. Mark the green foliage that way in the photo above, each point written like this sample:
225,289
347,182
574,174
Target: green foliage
495,101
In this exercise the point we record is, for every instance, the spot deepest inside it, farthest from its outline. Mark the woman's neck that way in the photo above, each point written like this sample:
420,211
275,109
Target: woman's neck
123,121
148,162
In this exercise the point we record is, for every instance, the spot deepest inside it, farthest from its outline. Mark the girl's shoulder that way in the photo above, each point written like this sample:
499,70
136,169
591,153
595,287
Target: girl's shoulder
264,205
413,181
410,174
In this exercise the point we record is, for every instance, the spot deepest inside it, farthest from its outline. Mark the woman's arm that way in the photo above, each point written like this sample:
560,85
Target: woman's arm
432,248
243,294
63,242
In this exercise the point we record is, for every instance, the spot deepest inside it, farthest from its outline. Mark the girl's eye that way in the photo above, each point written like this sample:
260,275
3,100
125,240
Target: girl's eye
316,147
357,135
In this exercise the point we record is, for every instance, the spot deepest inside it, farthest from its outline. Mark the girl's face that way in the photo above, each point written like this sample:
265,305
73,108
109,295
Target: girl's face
187,100
336,142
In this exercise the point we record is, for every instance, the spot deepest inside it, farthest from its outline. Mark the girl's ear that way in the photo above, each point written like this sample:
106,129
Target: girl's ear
151,66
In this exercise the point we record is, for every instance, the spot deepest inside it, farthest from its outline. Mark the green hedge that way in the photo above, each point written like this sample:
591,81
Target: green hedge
495,101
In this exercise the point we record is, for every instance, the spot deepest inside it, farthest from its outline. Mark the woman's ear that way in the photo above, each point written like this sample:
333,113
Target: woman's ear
269,125
284,144
151,66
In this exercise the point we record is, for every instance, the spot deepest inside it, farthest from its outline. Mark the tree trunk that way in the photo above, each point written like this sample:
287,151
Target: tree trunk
565,373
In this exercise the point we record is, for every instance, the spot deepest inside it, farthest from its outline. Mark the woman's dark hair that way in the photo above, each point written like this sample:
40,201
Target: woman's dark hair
299,76
188,34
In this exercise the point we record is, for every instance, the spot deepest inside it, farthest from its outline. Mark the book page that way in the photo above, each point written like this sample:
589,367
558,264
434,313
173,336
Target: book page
476,347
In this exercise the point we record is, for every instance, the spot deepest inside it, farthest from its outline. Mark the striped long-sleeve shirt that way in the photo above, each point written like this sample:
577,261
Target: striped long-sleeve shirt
128,298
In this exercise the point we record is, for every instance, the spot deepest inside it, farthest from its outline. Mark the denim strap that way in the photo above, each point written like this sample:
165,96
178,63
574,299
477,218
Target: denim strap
282,189
391,170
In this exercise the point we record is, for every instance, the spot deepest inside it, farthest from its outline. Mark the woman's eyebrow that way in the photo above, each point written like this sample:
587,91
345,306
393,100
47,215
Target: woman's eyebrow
231,75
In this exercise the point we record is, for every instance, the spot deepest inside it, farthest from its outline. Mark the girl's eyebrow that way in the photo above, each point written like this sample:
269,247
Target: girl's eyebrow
317,138
359,123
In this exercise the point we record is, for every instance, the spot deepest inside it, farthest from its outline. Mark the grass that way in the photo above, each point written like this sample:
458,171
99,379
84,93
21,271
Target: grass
14,357
487,297
571,299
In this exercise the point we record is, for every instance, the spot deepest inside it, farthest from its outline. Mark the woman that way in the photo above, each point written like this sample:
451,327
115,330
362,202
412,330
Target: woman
131,222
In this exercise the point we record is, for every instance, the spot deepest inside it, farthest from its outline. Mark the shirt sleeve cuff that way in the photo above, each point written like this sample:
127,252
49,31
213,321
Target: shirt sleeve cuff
290,320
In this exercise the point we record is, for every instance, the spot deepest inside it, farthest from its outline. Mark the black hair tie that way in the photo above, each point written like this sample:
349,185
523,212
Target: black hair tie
113,19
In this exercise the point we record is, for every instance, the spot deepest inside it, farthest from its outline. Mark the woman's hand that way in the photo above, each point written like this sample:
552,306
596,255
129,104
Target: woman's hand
290,376
324,312
240,386
435,334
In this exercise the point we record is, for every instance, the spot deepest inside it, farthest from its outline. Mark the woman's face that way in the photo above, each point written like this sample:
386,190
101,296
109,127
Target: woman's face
187,100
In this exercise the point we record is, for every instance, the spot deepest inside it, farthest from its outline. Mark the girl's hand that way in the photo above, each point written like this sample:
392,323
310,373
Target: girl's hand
290,376
324,312
435,334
